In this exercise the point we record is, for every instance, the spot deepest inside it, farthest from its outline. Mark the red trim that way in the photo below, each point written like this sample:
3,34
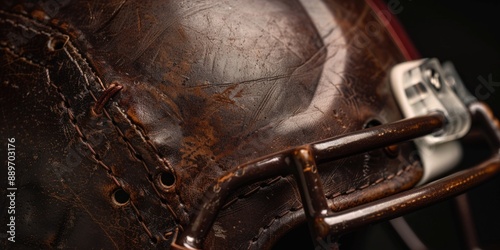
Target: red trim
395,29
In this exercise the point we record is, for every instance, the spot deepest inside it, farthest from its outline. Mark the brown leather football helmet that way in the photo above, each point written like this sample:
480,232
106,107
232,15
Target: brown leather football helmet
222,124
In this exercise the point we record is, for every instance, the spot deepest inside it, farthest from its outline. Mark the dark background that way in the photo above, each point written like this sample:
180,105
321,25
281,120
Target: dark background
464,32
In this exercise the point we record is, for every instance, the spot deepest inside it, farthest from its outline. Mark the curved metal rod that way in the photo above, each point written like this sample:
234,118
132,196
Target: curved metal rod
483,115
411,200
282,163
408,201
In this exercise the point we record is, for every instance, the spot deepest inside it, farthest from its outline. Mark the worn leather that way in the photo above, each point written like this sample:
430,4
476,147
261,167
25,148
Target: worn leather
207,85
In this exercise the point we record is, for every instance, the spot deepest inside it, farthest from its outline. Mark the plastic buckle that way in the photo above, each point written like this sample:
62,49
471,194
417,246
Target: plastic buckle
422,87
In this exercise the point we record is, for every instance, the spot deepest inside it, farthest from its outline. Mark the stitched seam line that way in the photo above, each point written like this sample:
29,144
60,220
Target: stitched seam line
129,146
74,122
138,157
330,196
97,158
17,25
275,218
378,181
132,150
160,157
251,192
14,53
294,209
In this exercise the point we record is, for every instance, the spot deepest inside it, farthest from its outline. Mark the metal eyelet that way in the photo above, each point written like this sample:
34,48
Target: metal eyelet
57,42
166,180
120,197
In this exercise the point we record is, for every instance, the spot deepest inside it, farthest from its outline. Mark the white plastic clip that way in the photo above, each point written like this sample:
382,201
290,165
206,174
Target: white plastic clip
421,87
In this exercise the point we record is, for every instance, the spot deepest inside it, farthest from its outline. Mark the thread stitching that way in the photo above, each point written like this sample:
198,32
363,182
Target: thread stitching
83,139
294,209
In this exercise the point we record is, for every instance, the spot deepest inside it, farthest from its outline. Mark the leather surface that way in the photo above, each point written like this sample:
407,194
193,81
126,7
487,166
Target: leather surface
207,85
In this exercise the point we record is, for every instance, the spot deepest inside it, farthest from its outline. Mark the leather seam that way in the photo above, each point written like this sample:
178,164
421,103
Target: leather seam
113,122
295,209
139,158
251,192
133,152
160,158
11,50
275,218
129,147
83,139
96,157
330,196
376,182
17,25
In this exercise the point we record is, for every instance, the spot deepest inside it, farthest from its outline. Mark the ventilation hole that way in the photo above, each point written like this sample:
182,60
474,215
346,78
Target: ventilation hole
120,197
372,123
57,43
167,179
